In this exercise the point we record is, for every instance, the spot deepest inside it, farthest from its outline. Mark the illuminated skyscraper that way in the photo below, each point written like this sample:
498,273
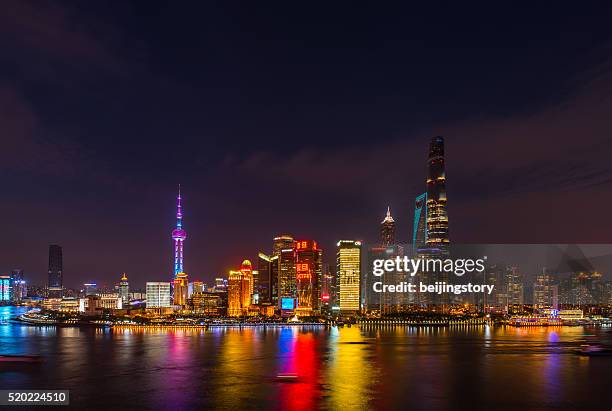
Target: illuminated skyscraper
419,231
437,217
545,292
124,289
386,249
284,248
387,230
18,286
181,289
240,290
5,289
55,276
158,295
281,242
267,286
178,235
348,261
308,265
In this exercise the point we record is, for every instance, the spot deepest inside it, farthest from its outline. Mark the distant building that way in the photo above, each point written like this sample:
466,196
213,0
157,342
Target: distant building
348,262
18,285
328,289
158,295
5,289
124,289
110,301
181,289
419,230
240,290
265,281
387,230
220,285
386,249
197,287
437,217
514,285
545,292
90,289
308,267
55,276
284,248
206,303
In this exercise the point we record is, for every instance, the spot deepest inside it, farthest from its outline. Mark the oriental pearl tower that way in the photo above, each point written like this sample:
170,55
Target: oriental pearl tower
178,235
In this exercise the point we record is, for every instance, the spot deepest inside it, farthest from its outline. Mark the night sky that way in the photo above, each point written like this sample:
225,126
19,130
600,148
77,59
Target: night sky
295,117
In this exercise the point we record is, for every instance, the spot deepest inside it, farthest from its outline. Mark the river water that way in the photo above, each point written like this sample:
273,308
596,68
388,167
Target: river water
494,368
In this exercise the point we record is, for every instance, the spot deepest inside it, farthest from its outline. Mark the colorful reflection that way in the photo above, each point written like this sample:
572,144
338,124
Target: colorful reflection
298,370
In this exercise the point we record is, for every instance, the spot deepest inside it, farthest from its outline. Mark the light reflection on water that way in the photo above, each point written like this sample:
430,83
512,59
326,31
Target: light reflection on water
350,368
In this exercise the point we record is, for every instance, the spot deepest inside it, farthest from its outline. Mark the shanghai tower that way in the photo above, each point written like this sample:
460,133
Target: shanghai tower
178,235
437,217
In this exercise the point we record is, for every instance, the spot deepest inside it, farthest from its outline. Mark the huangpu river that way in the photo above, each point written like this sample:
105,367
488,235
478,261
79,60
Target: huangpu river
394,367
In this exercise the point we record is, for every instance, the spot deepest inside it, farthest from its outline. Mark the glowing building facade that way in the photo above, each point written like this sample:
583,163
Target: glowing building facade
284,248
18,286
181,289
158,295
348,261
178,235
5,289
240,290
124,289
437,218
387,230
308,269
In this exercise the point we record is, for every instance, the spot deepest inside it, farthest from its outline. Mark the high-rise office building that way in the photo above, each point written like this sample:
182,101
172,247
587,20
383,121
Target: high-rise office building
55,277
348,262
284,248
385,249
124,289
240,290
178,235
5,289
308,268
437,217
281,242
181,289
387,230
220,285
158,295
545,292
419,230
267,287
18,286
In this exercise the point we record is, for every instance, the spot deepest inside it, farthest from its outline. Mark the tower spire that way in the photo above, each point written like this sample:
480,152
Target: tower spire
178,235
179,211
388,218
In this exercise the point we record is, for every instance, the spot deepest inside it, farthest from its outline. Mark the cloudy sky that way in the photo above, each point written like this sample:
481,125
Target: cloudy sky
293,118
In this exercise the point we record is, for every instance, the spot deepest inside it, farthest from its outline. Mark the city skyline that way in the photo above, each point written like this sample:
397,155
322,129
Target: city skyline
95,176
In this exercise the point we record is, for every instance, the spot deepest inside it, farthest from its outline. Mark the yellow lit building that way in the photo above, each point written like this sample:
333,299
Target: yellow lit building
181,289
348,261
240,290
